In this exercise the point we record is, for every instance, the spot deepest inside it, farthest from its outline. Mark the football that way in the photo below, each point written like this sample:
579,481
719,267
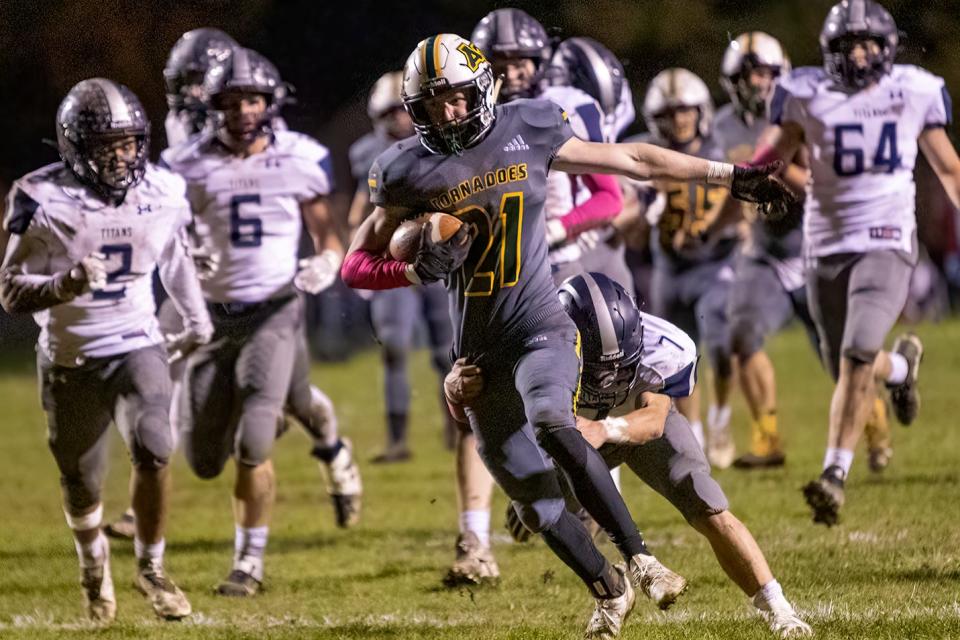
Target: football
405,241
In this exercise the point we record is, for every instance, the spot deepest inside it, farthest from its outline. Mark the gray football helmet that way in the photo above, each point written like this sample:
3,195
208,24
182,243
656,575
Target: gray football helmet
513,33
246,71
852,20
190,58
97,112
589,66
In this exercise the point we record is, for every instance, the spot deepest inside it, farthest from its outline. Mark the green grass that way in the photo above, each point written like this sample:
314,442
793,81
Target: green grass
890,570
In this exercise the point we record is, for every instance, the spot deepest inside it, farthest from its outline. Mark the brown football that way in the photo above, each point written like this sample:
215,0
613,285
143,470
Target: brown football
405,241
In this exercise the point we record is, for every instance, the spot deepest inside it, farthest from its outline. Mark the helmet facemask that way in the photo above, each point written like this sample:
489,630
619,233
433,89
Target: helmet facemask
858,71
452,136
749,97
606,385
235,126
665,123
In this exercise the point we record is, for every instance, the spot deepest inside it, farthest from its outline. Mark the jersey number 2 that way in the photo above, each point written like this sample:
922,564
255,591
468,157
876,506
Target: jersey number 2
245,232
502,250
125,251
848,161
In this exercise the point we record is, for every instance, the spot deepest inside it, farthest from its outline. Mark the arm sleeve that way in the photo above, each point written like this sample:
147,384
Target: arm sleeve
179,278
604,203
365,270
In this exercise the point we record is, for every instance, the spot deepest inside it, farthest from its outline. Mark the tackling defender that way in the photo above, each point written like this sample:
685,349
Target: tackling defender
863,119
252,190
87,234
503,301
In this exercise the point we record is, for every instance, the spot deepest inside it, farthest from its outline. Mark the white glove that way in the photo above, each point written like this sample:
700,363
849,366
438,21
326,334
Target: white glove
205,260
318,272
92,270
180,345
556,233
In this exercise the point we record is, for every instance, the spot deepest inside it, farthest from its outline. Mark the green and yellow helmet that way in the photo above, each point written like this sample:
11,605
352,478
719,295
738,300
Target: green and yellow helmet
441,64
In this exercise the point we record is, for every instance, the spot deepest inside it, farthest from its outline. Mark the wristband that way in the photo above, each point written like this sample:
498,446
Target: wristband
720,173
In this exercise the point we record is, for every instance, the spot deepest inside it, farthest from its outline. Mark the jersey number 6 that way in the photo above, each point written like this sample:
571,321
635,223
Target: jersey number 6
245,232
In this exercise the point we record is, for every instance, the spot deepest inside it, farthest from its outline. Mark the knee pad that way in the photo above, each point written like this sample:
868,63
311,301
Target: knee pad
153,439
541,514
860,355
698,495
80,493
256,435
549,413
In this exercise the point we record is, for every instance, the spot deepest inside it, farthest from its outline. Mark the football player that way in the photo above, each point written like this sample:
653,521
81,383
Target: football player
693,244
86,235
635,365
395,312
505,313
252,190
863,119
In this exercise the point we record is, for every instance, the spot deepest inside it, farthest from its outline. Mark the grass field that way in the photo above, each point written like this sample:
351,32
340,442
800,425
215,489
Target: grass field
890,570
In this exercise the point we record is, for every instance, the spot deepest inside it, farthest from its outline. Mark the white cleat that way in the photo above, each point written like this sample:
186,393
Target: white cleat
98,596
344,485
166,598
658,583
785,623
609,614
720,449
474,564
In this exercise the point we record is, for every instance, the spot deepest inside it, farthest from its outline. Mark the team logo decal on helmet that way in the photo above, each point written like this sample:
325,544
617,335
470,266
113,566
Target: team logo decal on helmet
472,54
190,58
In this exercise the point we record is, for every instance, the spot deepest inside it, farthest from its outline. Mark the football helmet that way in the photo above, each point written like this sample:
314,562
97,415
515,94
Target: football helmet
385,94
246,71
589,66
611,334
749,51
848,22
514,33
189,60
96,113
442,64
673,88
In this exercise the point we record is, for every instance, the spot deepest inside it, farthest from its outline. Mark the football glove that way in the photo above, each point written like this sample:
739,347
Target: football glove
205,260
318,272
436,260
180,345
91,271
780,217
759,184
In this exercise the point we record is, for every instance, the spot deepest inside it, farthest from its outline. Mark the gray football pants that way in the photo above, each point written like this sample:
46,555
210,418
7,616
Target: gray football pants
395,313
132,390
235,387
855,299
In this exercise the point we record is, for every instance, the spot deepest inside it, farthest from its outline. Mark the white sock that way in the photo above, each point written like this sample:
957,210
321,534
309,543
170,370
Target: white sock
718,417
250,541
476,521
697,428
770,597
93,554
898,369
149,551
842,458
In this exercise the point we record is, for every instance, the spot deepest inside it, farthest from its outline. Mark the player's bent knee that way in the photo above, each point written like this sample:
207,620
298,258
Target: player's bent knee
745,341
539,515
861,355
549,413
154,442
698,496
80,494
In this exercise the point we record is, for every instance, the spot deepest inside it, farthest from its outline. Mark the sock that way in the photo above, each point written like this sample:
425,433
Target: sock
571,543
898,369
718,418
249,545
842,458
697,428
397,428
325,453
92,554
770,597
476,521
152,552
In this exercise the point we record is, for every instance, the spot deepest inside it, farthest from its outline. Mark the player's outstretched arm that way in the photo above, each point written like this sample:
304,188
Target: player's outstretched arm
25,288
365,265
943,158
643,424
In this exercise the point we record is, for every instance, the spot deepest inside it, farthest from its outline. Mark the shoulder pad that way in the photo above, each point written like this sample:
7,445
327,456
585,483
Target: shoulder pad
21,208
165,180
540,114
918,77
802,81
300,145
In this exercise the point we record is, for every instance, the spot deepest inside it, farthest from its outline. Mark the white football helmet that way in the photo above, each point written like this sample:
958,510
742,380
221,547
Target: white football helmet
441,64
672,88
385,94
749,51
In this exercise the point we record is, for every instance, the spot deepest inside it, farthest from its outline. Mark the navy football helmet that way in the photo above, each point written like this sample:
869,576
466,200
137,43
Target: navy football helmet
514,33
589,66
847,23
247,71
191,57
611,335
94,115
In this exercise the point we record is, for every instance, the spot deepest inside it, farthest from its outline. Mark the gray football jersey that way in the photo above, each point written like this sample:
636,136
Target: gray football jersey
363,152
738,141
499,186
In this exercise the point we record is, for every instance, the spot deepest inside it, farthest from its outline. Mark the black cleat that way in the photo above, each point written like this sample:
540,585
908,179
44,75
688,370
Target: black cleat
905,396
753,461
123,528
825,496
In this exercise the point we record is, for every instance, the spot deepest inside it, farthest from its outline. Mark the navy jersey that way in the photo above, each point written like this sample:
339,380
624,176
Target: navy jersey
499,186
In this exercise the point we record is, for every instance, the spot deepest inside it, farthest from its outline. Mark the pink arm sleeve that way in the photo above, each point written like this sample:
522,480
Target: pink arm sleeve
364,270
605,202
764,154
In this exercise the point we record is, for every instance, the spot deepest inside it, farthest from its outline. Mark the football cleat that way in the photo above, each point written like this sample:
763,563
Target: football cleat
239,584
609,614
657,582
877,434
393,453
720,447
342,476
123,528
474,563
98,596
905,396
166,598
785,623
825,496
751,460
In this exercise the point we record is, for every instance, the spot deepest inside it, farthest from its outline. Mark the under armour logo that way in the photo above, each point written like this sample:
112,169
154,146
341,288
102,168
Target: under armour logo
144,208
896,94
272,163
517,144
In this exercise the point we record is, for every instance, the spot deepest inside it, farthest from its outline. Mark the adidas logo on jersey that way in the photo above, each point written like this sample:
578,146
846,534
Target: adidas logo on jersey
517,144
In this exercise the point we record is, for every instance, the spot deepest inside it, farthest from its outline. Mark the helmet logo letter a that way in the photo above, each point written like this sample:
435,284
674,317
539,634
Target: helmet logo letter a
472,54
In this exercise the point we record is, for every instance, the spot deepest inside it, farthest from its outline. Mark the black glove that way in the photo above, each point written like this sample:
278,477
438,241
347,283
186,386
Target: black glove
436,260
759,184
780,218
515,526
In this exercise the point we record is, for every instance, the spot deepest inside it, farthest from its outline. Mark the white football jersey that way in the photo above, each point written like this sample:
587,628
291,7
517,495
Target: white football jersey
176,129
68,222
586,121
668,364
248,209
863,147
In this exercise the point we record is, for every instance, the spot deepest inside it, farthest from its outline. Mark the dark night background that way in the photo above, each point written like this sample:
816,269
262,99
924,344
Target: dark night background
333,51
